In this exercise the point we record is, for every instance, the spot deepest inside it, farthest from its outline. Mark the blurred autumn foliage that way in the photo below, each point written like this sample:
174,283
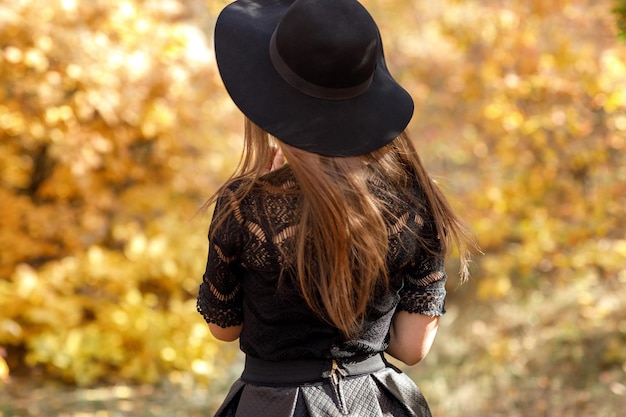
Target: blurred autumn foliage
620,12
109,142
114,127
524,104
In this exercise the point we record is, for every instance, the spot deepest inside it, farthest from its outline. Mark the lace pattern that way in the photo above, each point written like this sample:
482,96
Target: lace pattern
244,263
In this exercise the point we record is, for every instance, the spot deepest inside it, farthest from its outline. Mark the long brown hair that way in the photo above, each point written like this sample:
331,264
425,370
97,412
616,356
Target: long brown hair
341,258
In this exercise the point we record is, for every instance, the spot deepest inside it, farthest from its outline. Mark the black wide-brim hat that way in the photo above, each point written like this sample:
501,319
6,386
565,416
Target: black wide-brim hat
311,73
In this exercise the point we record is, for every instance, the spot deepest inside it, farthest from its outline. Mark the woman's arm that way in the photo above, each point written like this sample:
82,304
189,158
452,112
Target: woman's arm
411,336
225,334
231,333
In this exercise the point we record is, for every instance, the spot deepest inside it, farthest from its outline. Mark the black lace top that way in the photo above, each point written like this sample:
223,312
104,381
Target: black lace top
244,263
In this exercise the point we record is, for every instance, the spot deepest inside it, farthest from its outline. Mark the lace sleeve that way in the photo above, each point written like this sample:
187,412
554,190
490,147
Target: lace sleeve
424,290
220,297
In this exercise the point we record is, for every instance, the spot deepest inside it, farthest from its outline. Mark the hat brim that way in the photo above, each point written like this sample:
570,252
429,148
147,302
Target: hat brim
348,127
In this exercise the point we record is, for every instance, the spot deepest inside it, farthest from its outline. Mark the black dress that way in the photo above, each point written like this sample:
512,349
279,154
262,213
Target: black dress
240,285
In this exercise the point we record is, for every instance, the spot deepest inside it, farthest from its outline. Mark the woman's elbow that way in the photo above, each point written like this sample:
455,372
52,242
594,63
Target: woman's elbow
411,336
412,359
407,356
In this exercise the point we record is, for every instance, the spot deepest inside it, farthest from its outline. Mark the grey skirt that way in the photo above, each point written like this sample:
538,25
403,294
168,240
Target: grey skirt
386,392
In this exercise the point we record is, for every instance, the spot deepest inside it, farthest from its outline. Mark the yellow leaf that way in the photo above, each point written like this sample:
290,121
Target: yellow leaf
4,370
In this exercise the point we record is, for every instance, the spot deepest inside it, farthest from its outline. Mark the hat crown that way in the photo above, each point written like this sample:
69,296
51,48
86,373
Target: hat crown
330,44
311,73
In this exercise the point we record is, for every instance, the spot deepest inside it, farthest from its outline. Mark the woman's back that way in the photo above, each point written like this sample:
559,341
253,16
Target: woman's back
251,260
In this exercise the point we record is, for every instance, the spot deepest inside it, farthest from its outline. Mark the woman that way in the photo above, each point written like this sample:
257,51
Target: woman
320,264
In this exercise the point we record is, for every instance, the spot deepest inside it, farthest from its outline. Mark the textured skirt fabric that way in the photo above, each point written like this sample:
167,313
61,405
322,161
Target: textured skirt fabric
387,392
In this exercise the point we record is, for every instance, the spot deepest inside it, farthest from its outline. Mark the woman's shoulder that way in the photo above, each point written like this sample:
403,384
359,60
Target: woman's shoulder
279,179
270,193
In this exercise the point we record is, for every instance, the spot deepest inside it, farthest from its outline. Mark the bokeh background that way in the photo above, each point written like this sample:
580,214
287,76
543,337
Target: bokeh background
115,128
